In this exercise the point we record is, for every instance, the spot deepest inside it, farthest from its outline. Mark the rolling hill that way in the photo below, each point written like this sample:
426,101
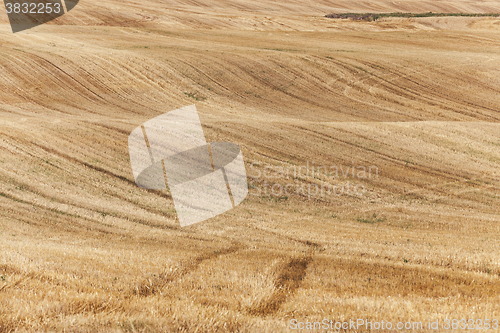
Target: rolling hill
415,101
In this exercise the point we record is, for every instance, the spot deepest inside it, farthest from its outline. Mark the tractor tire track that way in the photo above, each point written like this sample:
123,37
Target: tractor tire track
288,282
289,279
155,285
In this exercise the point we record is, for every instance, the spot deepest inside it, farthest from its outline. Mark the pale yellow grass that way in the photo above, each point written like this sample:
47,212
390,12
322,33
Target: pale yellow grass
83,249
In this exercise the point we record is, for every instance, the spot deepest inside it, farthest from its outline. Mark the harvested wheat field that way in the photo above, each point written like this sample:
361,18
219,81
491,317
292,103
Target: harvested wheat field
385,133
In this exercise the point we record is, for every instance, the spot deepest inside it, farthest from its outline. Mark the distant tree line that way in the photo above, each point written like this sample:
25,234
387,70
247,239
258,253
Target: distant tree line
375,16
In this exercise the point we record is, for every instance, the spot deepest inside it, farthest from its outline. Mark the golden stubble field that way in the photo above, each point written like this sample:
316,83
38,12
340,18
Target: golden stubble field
83,249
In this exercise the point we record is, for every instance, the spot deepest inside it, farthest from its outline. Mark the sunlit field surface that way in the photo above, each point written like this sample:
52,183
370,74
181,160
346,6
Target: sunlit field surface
411,105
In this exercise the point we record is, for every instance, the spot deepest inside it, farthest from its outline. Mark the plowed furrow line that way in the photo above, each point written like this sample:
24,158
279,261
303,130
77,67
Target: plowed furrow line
309,243
50,77
197,70
71,78
421,88
390,87
386,157
424,93
55,217
90,166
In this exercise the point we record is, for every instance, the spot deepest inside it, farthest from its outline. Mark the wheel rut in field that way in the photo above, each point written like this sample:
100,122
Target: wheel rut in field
289,280
155,285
